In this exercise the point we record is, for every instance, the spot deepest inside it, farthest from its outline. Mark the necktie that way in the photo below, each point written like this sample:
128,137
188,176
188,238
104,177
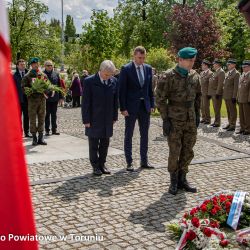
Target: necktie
104,82
22,74
141,81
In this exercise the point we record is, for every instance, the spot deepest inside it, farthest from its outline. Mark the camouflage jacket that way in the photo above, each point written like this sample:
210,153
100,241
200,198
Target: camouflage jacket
27,80
178,97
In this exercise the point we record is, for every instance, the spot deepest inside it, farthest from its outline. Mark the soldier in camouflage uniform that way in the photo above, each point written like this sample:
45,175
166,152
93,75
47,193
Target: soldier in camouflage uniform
36,105
178,98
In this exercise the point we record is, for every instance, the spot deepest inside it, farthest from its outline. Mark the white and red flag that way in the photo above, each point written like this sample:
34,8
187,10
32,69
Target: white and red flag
16,213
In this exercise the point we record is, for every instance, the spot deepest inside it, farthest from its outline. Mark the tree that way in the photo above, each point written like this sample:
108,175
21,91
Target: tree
70,29
100,37
195,26
29,35
236,32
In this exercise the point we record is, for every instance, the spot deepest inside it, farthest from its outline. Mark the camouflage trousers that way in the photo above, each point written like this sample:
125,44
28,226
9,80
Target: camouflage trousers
36,109
181,141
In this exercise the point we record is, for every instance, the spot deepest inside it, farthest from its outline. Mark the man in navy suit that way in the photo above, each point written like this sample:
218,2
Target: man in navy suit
21,71
99,113
136,103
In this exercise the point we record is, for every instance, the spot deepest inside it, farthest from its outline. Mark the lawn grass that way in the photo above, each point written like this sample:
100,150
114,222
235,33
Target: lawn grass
223,110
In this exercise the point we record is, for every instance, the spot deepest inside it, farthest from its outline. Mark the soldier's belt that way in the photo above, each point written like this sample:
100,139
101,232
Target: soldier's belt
187,104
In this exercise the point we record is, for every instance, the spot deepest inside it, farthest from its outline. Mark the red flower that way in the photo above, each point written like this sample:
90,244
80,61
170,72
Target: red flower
224,243
191,235
207,232
214,224
193,211
204,208
39,76
218,208
230,197
195,221
185,215
214,211
223,199
228,205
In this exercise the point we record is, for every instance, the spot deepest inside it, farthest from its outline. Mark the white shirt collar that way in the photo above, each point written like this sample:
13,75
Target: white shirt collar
136,65
231,71
100,77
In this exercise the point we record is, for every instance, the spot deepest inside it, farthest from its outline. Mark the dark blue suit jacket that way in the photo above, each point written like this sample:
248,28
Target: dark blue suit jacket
18,79
99,106
131,91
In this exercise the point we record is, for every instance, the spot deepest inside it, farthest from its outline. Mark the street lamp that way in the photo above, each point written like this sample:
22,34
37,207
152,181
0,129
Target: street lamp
62,40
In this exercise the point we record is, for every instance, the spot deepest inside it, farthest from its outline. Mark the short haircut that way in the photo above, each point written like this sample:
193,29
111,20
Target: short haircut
108,66
48,62
20,61
140,49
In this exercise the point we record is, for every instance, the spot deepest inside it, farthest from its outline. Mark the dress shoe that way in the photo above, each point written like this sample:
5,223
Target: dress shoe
130,168
97,172
173,183
239,132
246,133
27,135
41,140
47,133
147,166
226,127
207,122
55,133
34,142
183,183
104,170
231,129
216,125
202,121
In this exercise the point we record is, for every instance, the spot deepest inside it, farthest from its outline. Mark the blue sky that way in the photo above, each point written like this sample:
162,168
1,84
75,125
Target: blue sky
80,9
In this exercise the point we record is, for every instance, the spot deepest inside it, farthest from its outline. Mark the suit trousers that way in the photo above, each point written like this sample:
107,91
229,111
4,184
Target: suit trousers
217,108
143,118
244,109
205,108
51,110
231,113
98,150
25,116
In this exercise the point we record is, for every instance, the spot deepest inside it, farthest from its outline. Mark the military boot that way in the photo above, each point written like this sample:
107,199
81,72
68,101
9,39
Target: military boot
174,182
34,142
183,183
41,140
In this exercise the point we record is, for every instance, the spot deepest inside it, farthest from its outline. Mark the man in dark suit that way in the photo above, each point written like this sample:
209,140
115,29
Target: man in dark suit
136,102
53,99
99,113
21,71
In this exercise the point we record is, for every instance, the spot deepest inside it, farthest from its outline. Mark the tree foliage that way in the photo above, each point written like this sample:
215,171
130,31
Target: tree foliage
29,34
195,26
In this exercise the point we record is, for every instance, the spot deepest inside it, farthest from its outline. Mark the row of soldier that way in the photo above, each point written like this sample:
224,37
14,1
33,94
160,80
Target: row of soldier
231,86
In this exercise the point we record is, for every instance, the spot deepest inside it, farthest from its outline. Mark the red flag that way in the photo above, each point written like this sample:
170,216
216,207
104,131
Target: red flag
16,215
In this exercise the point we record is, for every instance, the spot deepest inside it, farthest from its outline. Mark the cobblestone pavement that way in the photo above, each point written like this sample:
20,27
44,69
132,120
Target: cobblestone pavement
129,210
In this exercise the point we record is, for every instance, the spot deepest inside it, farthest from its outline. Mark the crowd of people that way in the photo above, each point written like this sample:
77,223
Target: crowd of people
180,93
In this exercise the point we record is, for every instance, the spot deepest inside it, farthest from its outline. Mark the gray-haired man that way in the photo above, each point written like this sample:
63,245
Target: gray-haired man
99,113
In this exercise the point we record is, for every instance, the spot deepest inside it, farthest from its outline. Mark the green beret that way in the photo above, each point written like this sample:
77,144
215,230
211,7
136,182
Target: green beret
246,63
217,61
231,61
34,60
205,61
187,53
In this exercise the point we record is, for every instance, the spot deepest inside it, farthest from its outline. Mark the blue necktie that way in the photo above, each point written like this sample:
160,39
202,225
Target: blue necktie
141,81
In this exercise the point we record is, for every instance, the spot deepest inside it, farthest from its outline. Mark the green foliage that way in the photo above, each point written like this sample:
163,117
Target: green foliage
120,60
100,39
70,29
160,58
29,35
41,86
236,36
